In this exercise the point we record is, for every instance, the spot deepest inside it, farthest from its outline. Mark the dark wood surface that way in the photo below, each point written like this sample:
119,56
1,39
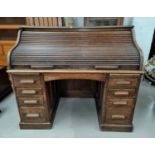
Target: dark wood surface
101,63
74,48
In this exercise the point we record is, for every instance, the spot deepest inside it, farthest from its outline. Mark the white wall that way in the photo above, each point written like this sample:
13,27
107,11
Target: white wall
144,28
128,21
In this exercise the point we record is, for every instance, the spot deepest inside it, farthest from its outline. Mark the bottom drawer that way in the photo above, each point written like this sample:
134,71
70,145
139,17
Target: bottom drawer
32,114
118,115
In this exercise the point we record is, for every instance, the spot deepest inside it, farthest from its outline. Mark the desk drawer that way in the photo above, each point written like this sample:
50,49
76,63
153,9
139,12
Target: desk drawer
120,102
32,114
30,101
121,93
123,83
118,115
28,91
27,80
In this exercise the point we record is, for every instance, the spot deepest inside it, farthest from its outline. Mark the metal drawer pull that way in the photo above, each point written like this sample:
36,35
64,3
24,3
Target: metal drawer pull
26,81
121,93
123,82
118,117
30,101
120,103
32,115
29,92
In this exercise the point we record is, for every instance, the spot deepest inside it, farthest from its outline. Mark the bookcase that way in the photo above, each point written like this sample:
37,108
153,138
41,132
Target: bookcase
9,27
8,33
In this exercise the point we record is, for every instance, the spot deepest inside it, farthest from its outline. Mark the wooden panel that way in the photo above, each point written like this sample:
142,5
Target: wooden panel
1,51
118,115
45,21
27,81
31,101
55,22
117,102
76,48
121,93
126,75
36,21
29,91
41,21
5,47
3,61
77,88
31,21
54,76
28,21
123,83
33,114
50,21
71,71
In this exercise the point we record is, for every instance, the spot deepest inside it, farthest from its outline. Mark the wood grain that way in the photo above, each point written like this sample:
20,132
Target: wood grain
74,48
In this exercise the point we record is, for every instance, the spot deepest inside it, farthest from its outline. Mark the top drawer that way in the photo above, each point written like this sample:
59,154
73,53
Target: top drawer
27,80
123,81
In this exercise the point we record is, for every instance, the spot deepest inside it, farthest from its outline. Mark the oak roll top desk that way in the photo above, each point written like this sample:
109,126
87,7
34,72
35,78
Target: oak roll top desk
103,63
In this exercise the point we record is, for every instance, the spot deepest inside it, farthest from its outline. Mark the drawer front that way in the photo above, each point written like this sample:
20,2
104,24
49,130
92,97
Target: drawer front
118,115
28,91
30,101
118,76
123,83
32,114
120,102
27,80
122,93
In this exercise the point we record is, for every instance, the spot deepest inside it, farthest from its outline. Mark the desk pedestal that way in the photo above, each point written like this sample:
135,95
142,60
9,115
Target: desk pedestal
38,96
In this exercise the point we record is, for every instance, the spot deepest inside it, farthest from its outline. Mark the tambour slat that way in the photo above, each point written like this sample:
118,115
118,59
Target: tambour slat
72,47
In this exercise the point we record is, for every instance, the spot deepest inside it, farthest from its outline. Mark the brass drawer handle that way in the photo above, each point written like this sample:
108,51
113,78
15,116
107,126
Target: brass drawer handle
120,103
30,101
118,116
28,91
32,115
123,82
26,81
121,93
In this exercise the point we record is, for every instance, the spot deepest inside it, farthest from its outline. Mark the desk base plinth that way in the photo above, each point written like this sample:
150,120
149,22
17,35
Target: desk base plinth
114,127
46,125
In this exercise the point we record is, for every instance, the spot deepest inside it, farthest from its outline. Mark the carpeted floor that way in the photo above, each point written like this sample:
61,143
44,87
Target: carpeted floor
77,118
